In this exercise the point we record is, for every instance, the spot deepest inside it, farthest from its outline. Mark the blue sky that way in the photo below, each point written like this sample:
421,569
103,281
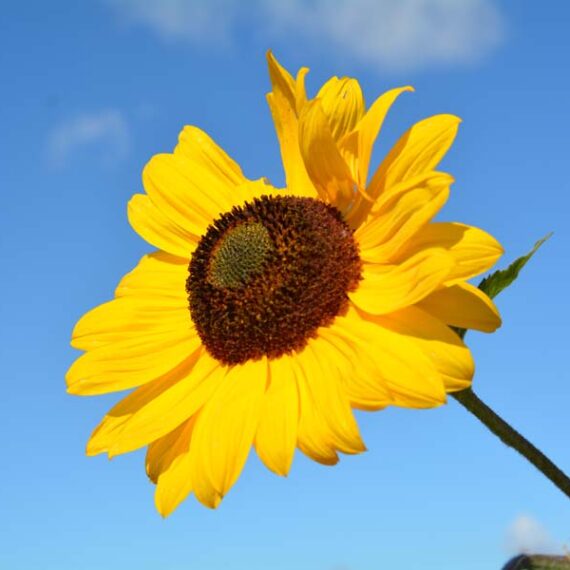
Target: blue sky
91,90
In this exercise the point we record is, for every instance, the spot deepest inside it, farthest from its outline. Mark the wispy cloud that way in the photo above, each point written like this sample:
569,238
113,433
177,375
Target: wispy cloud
193,20
527,536
387,34
398,34
106,130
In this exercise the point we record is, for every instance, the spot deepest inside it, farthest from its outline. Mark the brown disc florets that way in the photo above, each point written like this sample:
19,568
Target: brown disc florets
266,275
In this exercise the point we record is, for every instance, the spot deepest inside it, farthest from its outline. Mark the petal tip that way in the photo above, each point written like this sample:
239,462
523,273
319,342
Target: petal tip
92,449
72,383
165,505
493,325
213,502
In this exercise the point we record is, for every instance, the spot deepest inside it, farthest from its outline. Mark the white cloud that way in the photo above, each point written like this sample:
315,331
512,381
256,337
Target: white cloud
527,536
195,20
106,130
396,34
388,34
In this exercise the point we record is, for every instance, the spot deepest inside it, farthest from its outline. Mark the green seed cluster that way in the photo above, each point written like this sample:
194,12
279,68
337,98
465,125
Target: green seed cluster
239,255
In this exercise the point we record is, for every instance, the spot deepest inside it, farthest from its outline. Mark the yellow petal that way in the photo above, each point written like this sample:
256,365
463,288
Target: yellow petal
161,453
187,192
323,370
343,104
283,101
356,147
128,317
300,91
255,189
109,425
276,436
325,166
419,150
159,230
196,148
174,483
360,383
157,275
112,425
286,126
401,216
281,80
168,465
156,410
224,431
314,438
387,288
401,366
474,250
130,362
451,358
463,305
152,299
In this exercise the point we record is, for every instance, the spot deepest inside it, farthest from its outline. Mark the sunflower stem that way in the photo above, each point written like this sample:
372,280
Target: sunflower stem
508,435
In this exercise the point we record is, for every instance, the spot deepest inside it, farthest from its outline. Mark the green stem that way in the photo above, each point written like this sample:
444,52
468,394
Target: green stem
469,400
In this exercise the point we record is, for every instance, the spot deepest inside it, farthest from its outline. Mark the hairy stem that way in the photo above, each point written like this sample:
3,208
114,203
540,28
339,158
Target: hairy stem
469,400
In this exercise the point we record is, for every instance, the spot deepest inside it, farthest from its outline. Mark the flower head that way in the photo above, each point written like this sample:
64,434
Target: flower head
267,315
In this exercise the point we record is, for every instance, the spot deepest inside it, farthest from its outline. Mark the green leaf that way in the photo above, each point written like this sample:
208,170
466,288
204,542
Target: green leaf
500,280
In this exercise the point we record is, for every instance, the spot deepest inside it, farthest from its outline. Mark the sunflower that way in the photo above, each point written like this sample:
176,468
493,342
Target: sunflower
267,315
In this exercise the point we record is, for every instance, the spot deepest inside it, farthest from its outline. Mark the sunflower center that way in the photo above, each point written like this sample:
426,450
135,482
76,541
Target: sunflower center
266,275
